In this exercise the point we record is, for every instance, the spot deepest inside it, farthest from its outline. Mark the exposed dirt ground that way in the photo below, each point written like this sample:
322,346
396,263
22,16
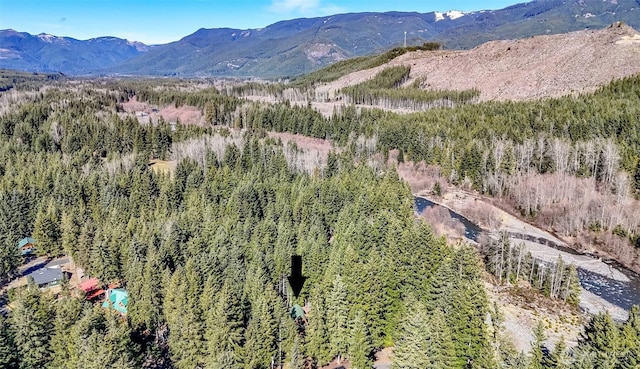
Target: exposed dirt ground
523,308
147,113
532,68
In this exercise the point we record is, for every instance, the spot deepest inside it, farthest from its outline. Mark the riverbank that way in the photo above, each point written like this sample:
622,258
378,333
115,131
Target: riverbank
605,285
496,220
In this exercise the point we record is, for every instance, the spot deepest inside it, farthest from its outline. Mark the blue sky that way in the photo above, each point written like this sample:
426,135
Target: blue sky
163,21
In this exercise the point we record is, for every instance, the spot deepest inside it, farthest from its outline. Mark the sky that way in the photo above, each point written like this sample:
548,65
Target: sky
163,21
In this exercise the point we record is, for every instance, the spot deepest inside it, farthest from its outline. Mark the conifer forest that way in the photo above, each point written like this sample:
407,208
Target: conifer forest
204,248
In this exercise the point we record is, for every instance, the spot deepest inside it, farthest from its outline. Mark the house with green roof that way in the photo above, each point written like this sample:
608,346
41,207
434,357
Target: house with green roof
26,246
297,312
116,299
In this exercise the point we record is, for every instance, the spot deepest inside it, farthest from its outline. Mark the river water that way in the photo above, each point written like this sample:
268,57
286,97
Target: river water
620,293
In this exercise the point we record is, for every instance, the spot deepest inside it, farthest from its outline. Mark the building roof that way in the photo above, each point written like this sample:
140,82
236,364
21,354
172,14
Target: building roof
297,312
25,241
117,299
89,285
45,276
95,294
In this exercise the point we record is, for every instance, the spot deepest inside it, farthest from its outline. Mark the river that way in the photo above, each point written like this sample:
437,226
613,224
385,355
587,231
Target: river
623,294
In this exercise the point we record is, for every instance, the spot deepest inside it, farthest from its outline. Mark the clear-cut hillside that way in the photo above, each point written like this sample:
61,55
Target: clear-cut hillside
531,68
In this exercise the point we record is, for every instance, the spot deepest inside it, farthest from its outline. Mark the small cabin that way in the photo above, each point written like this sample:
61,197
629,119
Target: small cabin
116,299
26,246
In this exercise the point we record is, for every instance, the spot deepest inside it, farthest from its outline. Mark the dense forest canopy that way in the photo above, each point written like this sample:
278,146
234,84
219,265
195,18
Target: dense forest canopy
571,163
204,250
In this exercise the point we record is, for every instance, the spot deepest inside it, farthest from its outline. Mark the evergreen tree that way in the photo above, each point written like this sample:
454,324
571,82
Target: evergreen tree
185,327
559,358
224,327
108,346
337,319
8,349
67,313
424,342
297,355
573,286
262,331
601,336
360,343
630,340
46,229
537,354
31,319
468,309
9,256
316,332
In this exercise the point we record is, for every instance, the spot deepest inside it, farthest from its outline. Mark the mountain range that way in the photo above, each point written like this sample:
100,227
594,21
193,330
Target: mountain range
49,53
298,46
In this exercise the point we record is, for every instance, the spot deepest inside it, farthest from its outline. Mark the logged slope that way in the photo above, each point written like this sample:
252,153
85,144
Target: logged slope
48,53
538,18
537,67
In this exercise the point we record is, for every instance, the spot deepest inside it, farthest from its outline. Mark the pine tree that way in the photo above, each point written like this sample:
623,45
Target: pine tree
108,346
185,327
537,355
360,343
601,336
297,355
424,342
46,229
8,357
262,332
31,319
630,340
224,327
559,357
317,335
468,307
9,255
572,287
68,312
441,340
337,319
69,233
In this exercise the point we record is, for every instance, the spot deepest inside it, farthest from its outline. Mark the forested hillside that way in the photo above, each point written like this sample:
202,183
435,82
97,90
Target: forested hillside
570,163
203,250
202,253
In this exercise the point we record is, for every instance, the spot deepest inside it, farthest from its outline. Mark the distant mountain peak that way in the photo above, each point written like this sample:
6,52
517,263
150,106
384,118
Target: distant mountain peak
451,15
49,38
138,45
50,53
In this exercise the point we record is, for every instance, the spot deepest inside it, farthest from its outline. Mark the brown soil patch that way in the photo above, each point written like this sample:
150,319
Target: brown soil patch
163,166
147,113
532,68
304,142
